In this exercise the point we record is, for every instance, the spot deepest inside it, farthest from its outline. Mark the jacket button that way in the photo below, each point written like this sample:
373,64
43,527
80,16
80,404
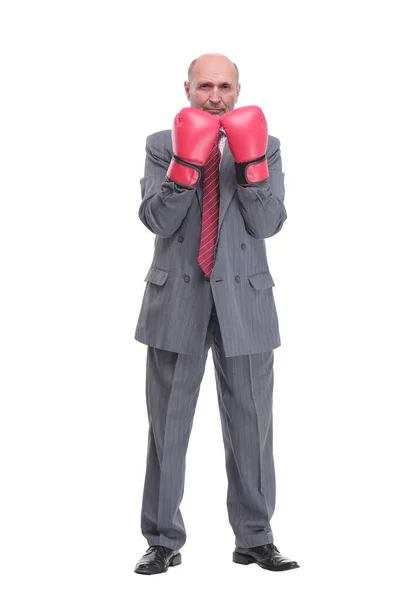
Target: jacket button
186,278
180,239
237,278
243,246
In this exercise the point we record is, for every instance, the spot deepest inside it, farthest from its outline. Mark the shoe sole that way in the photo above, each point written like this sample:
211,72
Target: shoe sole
242,559
175,560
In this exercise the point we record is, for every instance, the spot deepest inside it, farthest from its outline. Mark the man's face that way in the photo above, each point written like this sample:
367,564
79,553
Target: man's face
213,87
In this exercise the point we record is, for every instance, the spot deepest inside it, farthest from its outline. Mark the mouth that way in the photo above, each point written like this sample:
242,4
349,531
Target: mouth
215,111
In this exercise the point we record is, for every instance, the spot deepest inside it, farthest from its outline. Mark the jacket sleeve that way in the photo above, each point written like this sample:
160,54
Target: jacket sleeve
164,203
262,204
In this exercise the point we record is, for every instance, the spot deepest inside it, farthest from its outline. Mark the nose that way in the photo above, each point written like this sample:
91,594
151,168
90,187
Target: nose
215,95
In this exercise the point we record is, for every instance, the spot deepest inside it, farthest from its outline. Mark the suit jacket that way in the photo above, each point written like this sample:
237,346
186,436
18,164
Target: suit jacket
177,302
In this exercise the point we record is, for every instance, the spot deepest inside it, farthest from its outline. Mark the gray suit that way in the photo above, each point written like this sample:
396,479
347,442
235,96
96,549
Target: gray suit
183,314
176,304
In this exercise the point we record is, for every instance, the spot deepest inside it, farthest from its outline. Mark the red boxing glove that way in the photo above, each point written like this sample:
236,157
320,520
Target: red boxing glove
247,132
193,135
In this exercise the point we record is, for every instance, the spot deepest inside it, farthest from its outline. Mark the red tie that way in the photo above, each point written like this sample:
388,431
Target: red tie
210,219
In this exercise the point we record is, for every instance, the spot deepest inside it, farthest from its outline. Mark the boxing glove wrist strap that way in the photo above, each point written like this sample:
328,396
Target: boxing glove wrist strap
184,173
253,171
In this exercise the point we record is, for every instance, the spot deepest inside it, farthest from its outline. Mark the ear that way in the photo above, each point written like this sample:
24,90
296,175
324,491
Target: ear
238,91
187,89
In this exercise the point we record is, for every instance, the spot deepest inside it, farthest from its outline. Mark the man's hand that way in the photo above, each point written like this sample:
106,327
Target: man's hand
247,132
193,135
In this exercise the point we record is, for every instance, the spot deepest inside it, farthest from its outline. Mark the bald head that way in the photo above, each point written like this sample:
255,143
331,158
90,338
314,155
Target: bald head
215,57
213,83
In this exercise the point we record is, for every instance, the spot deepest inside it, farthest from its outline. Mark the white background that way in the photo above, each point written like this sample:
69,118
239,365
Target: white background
83,84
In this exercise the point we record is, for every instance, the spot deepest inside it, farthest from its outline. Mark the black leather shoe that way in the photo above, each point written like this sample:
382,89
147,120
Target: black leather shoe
266,556
157,559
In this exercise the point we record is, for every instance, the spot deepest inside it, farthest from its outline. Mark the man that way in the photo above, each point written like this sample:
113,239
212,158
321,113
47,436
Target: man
212,191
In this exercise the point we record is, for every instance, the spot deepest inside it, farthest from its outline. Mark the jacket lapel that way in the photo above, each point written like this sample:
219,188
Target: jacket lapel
227,182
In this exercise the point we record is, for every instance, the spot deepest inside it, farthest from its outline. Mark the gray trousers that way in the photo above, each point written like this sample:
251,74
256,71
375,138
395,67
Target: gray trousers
245,395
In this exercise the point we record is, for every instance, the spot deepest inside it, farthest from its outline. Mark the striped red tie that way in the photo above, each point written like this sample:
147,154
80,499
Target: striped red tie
210,219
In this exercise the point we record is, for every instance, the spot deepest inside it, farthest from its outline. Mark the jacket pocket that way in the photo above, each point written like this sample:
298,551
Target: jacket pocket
261,281
157,276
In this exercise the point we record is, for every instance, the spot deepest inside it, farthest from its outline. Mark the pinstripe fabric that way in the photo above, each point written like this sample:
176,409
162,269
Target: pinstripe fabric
245,398
177,302
210,214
